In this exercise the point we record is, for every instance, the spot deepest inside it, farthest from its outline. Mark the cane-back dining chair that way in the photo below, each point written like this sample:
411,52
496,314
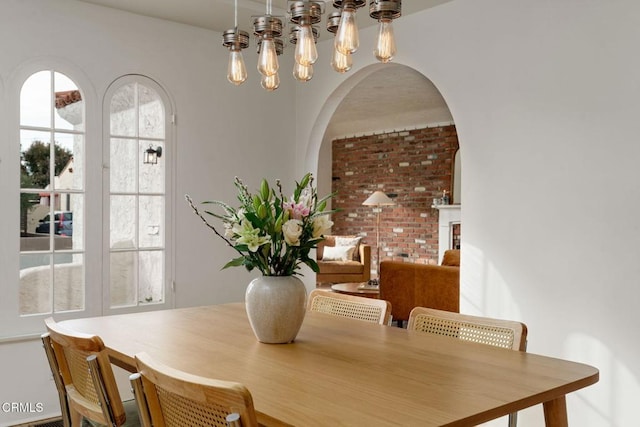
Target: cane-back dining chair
351,306
506,334
91,390
172,398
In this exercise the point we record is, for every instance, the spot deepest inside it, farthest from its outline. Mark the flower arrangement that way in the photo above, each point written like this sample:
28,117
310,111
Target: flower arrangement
270,232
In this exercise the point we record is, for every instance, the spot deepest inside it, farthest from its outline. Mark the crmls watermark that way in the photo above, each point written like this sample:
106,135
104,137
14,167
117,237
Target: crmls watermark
22,407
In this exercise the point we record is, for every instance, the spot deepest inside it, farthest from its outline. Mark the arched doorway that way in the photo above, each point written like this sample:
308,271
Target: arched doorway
401,116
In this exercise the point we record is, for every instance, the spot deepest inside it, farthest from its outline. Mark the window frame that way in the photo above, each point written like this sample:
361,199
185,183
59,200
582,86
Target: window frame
169,193
12,324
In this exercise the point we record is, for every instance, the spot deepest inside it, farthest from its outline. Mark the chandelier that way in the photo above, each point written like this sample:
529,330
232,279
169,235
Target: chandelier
303,17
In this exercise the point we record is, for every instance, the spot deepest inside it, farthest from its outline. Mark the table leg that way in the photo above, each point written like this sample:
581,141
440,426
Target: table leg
555,412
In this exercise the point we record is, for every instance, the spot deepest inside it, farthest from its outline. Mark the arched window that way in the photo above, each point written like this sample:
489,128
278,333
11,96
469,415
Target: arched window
137,202
95,229
52,195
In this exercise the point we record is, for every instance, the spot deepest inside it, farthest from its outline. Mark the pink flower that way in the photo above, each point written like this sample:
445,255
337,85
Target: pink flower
297,210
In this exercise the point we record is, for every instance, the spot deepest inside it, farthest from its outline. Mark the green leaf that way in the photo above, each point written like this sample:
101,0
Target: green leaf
305,180
236,262
327,197
312,264
253,219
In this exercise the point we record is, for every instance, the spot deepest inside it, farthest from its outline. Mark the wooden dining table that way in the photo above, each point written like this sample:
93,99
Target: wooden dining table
346,372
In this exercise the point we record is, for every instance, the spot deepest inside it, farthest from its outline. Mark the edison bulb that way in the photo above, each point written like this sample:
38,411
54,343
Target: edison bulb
306,52
347,39
341,62
385,48
236,71
271,82
268,58
302,73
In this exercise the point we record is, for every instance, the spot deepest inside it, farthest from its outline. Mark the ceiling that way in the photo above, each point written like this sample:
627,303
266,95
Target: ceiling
218,15
395,96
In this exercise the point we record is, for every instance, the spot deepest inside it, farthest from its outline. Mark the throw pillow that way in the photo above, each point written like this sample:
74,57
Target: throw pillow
350,241
338,253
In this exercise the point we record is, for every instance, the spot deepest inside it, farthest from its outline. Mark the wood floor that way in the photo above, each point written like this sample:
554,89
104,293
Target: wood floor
51,422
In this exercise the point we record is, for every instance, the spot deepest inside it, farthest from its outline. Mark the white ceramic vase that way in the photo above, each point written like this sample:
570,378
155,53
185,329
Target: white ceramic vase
276,306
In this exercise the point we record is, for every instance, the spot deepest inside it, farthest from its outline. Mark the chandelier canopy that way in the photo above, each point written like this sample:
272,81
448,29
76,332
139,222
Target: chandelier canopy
303,17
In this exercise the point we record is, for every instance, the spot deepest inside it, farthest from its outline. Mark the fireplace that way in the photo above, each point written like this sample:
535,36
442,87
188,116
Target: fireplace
449,228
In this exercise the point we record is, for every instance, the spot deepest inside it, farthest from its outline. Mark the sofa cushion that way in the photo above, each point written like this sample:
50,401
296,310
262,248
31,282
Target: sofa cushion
340,267
338,253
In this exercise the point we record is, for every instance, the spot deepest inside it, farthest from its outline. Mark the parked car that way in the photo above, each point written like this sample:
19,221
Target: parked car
63,223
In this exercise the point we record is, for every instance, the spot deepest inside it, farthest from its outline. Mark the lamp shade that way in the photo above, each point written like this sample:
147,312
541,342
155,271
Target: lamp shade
378,199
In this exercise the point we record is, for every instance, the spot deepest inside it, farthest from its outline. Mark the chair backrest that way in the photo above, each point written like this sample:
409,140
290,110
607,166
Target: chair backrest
172,398
87,375
496,332
57,379
351,306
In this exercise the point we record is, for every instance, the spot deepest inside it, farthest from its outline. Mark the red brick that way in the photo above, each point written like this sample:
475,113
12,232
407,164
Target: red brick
374,160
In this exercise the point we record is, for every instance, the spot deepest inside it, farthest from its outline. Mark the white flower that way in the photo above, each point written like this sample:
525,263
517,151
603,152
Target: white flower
321,225
228,230
233,223
292,231
306,197
249,236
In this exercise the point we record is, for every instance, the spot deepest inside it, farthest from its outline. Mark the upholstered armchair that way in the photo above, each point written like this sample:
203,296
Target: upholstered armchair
407,285
346,260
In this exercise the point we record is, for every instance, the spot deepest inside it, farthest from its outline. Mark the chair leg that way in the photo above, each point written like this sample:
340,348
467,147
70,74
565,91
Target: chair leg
66,416
98,384
57,377
141,401
76,418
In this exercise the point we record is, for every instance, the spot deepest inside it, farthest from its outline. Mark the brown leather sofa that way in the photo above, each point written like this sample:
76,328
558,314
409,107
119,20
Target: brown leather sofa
356,269
406,285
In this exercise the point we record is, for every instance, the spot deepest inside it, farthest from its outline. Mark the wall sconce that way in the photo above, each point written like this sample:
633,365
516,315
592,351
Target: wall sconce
151,155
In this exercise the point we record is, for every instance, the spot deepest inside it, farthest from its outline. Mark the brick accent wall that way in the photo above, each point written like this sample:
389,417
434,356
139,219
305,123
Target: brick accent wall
412,167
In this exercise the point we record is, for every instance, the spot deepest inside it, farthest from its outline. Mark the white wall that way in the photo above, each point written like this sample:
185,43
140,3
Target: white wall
545,97
222,131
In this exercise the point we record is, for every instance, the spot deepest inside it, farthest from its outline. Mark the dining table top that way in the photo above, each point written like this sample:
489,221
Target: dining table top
342,371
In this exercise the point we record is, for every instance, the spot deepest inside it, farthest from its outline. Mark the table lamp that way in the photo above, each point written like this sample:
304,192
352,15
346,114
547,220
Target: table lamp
378,199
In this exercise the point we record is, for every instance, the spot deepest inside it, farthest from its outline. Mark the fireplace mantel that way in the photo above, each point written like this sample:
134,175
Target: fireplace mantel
449,215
